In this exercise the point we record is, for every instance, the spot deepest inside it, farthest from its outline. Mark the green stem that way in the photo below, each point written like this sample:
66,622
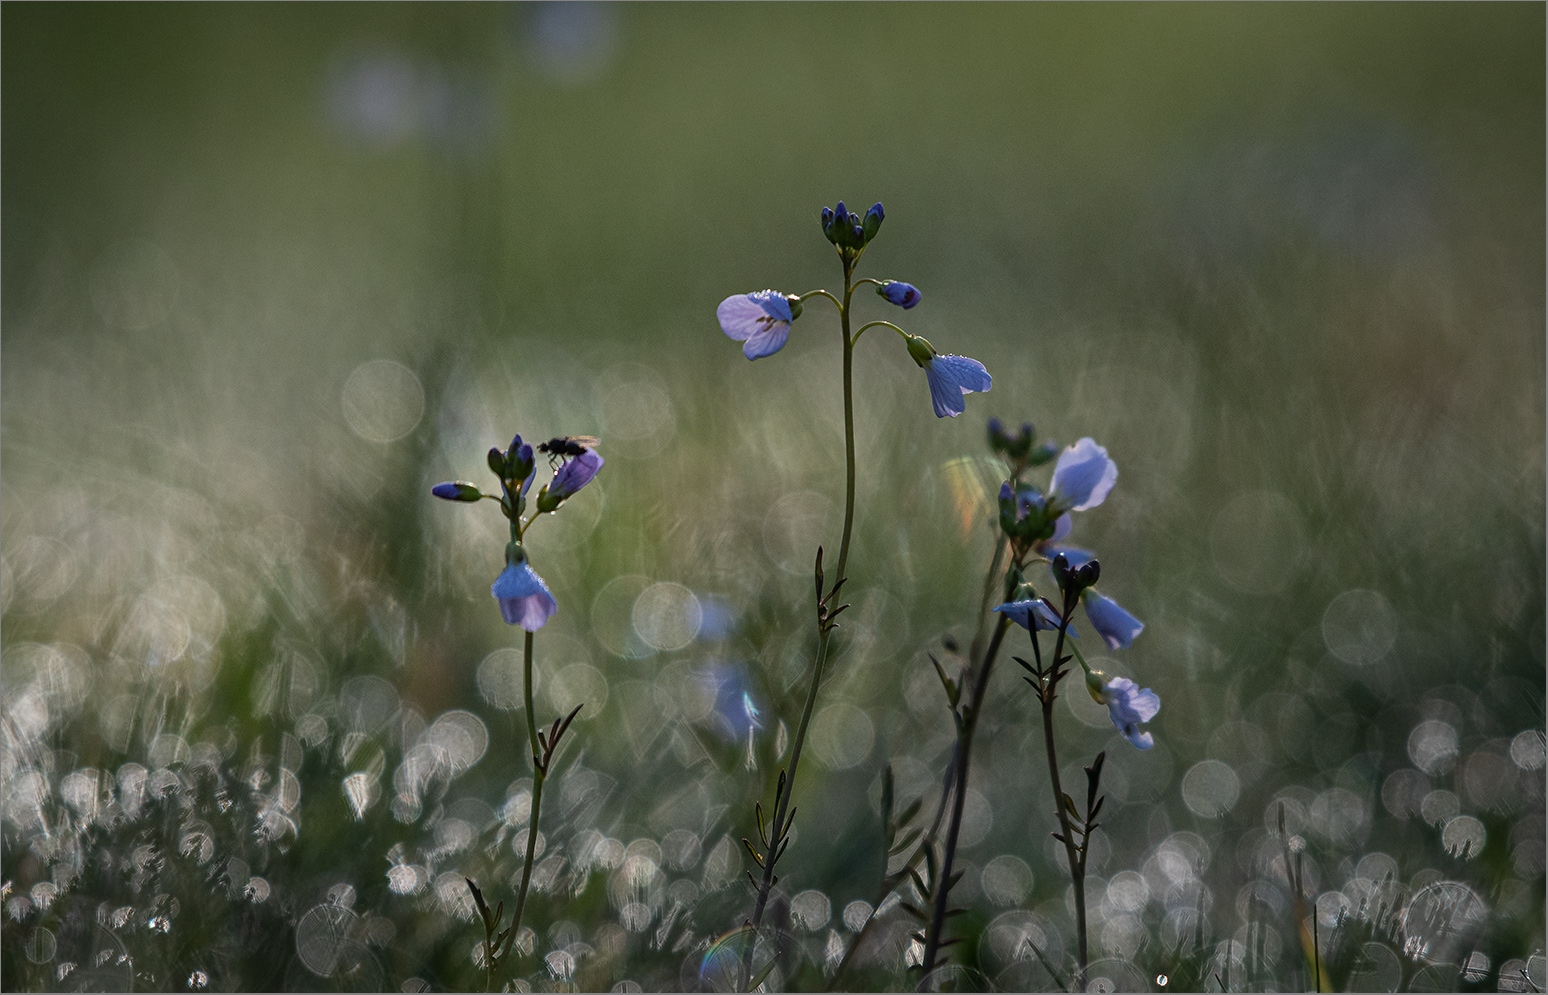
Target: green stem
537,796
880,324
954,828
778,828
821,293
849,433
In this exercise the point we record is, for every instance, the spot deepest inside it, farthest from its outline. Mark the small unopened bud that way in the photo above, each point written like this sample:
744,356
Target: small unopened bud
457,490
873,220
1096,686
497,461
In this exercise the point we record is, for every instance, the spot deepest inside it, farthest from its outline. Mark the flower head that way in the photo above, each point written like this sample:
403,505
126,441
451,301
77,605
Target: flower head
1083,476
759,320
904,295
950,377
1116,626
1033,611
1130,705
524,598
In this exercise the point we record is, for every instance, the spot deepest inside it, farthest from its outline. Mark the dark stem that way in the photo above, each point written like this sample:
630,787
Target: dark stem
778,828
1077,863
954,828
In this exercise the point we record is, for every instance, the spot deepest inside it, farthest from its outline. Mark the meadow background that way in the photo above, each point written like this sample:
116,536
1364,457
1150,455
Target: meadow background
270,272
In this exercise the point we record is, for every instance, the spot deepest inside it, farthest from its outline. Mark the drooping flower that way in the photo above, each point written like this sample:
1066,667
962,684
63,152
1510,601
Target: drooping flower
1116,626
951,378
1129,705
1083,477
904,295
1030,612
524,598
759,320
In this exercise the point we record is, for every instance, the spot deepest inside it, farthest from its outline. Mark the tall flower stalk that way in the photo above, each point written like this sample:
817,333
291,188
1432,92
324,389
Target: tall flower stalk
525,600
762,322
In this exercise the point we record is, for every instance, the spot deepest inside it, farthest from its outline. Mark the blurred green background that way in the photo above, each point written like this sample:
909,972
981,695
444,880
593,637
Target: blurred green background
272,271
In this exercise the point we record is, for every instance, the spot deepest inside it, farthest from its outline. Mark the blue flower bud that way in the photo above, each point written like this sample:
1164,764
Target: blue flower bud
857,234
904,295
457,490
873,220
497,462
839,210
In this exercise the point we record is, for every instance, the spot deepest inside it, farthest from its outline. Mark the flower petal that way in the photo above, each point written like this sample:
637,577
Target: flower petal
524,598
1129,706
1062,528
1116,626
1084,475
575,474
1024,613
760,320
950,378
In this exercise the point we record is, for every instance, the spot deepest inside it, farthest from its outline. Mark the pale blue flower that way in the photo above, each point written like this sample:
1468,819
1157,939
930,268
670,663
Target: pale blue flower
524,598
951,378
1129,705
1116,626
1083,477
1033,610
760,321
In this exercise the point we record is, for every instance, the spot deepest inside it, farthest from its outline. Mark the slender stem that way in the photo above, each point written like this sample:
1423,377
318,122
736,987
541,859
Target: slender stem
526,696
489,961
1000,546
778,828
821,293
537,795
1077,863
880,324
954,829
849,433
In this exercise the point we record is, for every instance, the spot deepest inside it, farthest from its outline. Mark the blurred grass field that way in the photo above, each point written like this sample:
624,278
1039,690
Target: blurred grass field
271,272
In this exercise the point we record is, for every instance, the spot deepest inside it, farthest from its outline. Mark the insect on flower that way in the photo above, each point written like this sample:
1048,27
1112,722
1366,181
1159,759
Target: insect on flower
563,447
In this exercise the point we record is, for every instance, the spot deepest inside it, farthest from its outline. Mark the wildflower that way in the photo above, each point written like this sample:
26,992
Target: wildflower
759,320
950,377
904,295
1083,477
1128,705
1029,612
524,598
1116,626
575,474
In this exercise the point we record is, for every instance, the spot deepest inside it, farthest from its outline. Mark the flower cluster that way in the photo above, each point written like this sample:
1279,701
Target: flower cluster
1037,525
524,598
761,320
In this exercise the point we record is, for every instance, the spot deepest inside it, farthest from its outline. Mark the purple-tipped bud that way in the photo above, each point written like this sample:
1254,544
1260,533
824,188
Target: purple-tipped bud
839,210
873,220
827,217
456,490
904,295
